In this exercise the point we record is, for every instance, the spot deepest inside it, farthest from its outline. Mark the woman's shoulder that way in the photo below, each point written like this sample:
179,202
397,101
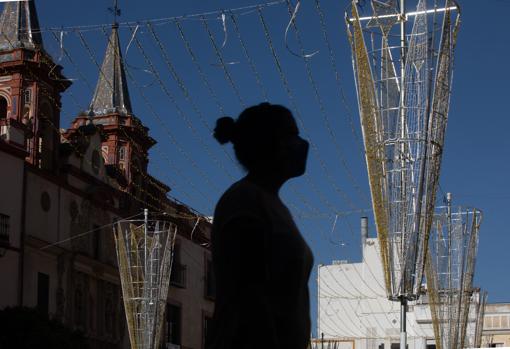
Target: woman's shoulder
240,194
243,197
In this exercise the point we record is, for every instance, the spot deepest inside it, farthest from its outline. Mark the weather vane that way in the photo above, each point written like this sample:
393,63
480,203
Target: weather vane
115,10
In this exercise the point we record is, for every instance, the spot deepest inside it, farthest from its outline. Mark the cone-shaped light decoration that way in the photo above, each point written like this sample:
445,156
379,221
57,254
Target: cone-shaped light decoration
403,85
450,269
144,254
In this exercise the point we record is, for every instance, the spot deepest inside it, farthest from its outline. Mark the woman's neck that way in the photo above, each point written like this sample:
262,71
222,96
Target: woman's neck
268,181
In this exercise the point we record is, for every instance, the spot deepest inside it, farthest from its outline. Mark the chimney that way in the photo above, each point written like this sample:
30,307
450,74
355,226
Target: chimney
364,233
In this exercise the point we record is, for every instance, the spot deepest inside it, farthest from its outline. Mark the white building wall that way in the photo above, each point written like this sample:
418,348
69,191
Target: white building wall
191,298
353,305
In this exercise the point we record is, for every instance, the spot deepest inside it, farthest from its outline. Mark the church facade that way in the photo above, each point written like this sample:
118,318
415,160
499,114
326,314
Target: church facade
62,188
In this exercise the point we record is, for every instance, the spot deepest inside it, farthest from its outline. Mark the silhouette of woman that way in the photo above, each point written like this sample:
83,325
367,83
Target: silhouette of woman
261,262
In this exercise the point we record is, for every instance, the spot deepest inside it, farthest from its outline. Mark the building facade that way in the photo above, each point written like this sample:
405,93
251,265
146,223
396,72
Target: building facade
496,325
355,313
63,189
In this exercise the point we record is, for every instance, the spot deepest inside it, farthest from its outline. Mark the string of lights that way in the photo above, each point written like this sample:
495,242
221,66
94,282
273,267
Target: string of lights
333,323
57,105
334,67
350,327
322,108
86,81
295,208
249,59
180,112
198,67
357,299
214,96
367,299
181,84
142,190
223,64
71,60
156,115
209,15
300,119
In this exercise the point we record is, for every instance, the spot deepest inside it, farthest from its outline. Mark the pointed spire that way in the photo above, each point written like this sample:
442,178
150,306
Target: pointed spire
19,26
111,95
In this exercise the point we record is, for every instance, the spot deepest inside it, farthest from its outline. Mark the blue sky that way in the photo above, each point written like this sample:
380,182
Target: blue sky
476,166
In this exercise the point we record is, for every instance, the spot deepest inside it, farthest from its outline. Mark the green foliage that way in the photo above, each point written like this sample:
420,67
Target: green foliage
28,328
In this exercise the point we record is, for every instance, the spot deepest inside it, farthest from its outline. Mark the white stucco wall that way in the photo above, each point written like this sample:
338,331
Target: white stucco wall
353,304
192,298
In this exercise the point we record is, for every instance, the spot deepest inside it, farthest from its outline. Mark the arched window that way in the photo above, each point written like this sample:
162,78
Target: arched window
3,108
104,152
122,153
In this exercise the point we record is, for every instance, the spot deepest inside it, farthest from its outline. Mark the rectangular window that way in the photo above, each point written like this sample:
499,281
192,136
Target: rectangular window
39,151
496,323
397,346
27,98
173,324
504,321
178,272
206,325
210,286
487,322
4,228
43,292
96,242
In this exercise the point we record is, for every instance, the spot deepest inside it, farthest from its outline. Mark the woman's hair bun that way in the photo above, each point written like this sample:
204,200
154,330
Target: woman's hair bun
224,130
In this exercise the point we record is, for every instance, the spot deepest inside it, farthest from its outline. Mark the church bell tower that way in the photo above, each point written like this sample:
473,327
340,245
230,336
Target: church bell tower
31,84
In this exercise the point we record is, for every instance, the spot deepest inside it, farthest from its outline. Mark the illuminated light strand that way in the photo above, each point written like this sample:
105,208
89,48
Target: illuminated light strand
214,96
151,108
181,84
340,88
249,59
322,108
198,67
140,171
82,155
222,63
170,182
84,78
300,119
145,203
73,63
240,11
295,208
180,112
